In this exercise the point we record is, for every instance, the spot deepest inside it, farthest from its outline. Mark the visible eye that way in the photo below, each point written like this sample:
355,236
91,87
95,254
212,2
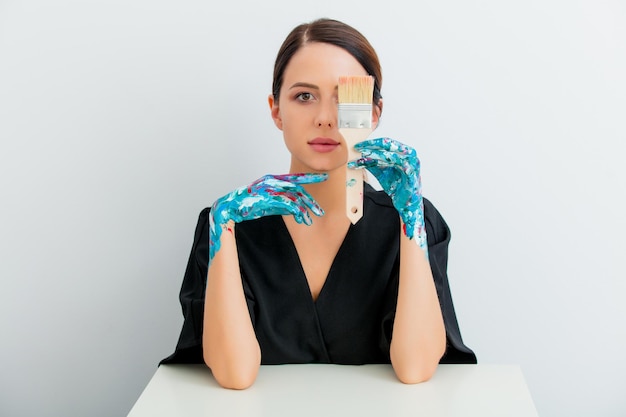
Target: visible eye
304,96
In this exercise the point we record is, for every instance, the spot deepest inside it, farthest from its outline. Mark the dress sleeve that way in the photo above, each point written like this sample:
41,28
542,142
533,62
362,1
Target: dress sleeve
189,346
438,235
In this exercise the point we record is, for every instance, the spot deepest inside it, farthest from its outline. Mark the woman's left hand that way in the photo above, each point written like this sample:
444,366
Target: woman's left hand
397,169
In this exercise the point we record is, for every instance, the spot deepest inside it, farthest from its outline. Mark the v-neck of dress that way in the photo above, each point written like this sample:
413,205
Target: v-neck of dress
302,275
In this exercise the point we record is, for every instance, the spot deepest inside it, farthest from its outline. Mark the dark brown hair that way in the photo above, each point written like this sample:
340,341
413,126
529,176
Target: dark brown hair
335,33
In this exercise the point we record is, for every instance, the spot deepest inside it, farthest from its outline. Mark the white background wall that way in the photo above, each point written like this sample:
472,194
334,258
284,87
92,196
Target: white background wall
121,120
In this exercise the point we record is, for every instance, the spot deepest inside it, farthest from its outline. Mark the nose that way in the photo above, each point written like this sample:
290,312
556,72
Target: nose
327,116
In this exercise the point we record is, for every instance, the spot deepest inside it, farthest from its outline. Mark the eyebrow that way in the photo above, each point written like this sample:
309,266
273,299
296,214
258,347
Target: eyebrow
306,85
303,84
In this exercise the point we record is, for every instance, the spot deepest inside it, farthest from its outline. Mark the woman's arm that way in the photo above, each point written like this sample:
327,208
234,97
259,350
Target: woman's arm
419,336
229,344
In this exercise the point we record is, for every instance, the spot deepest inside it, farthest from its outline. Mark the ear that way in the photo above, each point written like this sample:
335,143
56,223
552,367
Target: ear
275,111
376,112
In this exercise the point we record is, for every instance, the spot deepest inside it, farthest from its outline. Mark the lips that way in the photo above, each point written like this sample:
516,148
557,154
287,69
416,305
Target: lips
323,144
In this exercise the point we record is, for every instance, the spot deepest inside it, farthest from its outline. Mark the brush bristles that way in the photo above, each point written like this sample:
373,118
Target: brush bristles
356,89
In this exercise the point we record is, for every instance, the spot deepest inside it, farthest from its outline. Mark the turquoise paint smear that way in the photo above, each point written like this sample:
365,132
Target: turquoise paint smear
268,196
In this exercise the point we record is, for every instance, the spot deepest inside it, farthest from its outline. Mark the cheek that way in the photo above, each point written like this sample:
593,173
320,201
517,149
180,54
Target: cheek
293,118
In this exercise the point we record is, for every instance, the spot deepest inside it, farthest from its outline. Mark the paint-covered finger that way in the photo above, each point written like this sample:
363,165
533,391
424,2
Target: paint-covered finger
298,203
372,161
309,202
290,193
299,212
386,144
304,178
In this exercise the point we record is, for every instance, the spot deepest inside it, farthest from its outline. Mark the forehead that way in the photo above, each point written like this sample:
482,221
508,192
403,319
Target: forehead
321,63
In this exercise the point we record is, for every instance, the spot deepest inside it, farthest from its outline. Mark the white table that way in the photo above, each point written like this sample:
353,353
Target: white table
338,390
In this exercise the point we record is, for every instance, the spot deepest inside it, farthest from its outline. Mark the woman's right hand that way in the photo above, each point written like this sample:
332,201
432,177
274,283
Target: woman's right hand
269,195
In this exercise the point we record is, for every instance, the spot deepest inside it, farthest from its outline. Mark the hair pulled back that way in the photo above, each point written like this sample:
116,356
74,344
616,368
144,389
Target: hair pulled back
333,32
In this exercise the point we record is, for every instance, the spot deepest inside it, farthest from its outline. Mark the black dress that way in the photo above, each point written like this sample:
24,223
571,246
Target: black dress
351,321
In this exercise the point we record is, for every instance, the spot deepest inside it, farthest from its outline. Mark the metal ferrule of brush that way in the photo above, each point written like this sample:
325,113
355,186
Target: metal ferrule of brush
355,116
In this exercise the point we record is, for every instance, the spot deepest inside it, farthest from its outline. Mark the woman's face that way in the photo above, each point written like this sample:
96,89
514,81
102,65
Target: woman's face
307,108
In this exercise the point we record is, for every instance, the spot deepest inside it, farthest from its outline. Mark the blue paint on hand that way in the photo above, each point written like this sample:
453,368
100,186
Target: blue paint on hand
268,196
397,169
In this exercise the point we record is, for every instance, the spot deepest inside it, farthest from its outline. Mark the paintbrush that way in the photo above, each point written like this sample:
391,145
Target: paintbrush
355,94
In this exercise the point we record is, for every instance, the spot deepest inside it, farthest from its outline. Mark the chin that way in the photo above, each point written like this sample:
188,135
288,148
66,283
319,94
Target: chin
322,167
330,169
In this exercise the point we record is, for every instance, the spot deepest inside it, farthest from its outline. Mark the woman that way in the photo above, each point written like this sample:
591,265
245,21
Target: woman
278,274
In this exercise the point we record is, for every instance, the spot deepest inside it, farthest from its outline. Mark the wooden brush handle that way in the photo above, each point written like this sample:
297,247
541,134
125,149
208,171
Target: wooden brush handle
354,191
354,177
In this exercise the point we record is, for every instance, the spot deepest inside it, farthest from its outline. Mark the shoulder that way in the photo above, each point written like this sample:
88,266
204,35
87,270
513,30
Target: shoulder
203,222
378,197
203,217
437,229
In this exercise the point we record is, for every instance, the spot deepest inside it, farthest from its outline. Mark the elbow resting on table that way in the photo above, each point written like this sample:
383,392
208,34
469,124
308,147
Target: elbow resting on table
237,376
237,379
413,370
415,374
